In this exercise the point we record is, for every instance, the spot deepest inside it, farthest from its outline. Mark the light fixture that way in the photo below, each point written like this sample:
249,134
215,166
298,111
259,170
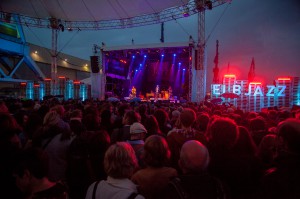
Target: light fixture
186,11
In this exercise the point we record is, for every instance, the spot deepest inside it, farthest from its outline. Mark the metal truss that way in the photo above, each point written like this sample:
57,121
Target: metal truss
191,8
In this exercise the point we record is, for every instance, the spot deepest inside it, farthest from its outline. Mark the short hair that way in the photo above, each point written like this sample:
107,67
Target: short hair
202,121
161,116
187,117
257,124
132,117
120,160
156,151
289,130
224,133
194,157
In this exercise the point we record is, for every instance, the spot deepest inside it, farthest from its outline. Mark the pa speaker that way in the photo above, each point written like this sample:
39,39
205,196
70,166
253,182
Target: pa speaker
95,64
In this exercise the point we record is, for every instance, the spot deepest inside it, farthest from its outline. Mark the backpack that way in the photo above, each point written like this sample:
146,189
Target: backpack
131,196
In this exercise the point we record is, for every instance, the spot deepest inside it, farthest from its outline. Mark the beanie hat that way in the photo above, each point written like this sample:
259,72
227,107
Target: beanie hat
137,128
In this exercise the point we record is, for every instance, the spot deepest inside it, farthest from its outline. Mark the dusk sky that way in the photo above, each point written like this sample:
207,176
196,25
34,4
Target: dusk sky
267,30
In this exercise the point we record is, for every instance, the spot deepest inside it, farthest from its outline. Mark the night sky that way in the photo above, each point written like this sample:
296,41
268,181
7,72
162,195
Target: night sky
268,31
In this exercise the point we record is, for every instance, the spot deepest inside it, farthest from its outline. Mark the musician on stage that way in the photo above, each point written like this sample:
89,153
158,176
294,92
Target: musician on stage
133,91
157,91
170,92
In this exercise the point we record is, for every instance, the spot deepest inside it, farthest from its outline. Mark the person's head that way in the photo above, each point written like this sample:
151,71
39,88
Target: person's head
156,151
60,109
257,124
122,108
51,118
267,148
187,117
289,135
131,117
175,115
297,114
3,107
142,109
9,129
76,115
31,168
137,131
224,133
161,116
245,144
194,157
91,120
202,121
120,161
151,125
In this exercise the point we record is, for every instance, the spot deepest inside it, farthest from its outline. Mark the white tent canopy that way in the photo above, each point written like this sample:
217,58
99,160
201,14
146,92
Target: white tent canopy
87,10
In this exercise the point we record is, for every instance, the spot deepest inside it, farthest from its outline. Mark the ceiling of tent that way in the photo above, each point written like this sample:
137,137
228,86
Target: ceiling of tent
87,10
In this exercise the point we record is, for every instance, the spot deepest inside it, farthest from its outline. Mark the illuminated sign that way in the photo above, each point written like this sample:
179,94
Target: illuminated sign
254,89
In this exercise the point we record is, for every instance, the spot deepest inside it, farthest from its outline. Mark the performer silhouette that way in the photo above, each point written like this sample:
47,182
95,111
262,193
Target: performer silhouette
133,91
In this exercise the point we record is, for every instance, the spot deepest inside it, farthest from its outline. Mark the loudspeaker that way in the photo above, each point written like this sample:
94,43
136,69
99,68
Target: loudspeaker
95,64
196,60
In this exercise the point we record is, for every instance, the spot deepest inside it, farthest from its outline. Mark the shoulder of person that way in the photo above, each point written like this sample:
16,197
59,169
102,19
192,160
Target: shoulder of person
134,195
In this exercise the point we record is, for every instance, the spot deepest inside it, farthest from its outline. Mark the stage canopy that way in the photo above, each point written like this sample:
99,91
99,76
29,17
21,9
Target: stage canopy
87,10
100,14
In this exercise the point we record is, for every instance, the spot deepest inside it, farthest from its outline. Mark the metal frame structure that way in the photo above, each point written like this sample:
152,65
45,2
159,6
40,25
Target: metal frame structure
191,8
197,83
16,51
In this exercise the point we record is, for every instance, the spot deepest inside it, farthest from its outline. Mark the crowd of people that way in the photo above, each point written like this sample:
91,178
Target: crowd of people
55,149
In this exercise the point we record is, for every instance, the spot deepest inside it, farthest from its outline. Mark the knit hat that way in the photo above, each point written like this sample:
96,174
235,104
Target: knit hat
137,128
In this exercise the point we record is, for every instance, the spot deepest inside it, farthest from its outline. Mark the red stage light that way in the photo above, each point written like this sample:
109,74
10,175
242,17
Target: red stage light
61,77
76,82
23,83
255,83
229,76
284,79
36,85
47,79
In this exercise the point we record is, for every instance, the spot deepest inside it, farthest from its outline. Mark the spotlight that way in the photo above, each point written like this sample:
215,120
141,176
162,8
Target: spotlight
174,55
133,56
145,56
185,12
162,55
